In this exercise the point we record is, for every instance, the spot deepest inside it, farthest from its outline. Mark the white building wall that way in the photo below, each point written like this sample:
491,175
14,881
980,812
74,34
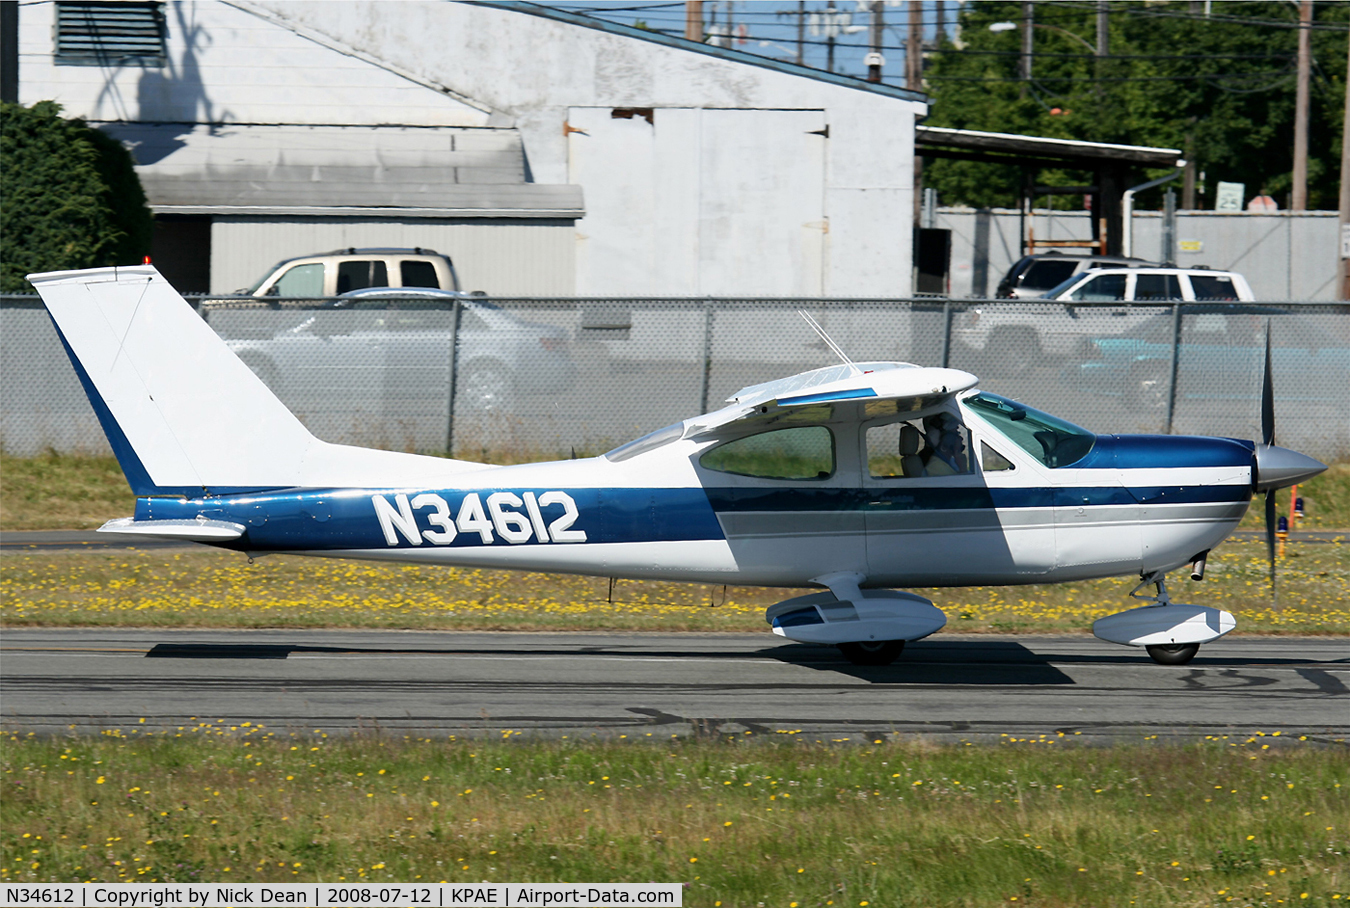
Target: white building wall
227,65
533,70
502,257
432,63
698,201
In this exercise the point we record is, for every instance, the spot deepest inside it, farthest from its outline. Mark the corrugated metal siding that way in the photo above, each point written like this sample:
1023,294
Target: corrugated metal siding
500,256
1284,256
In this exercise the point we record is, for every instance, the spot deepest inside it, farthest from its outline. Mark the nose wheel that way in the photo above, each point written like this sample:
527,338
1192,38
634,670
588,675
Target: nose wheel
873,652
1173,653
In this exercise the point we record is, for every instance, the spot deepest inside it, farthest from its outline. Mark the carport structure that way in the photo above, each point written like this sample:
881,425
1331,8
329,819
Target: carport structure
1110,165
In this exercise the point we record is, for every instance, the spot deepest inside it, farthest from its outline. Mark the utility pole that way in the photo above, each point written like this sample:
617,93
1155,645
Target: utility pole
801,32
940,7
1027,22
1102,24
830,15
693,23
875,60
1305,12
1344,283
914,47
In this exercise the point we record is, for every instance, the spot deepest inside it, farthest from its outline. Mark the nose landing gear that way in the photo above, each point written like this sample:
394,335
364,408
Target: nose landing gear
1170,633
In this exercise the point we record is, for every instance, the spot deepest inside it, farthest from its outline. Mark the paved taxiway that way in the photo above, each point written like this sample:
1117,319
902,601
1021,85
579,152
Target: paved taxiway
949,687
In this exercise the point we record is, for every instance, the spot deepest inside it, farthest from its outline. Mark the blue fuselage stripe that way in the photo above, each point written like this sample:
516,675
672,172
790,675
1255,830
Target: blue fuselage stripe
347,519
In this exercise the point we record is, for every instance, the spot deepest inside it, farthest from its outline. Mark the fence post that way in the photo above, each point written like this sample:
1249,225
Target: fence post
707,355
454,368
946,333
1172,373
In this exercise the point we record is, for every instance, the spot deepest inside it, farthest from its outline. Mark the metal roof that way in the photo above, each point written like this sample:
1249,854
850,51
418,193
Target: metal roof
1042,147
339,170
724,53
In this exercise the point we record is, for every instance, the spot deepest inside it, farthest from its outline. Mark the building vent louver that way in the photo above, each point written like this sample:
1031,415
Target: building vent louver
110,34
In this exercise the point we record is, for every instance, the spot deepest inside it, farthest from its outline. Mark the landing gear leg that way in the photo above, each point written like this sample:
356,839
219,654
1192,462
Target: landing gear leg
873,652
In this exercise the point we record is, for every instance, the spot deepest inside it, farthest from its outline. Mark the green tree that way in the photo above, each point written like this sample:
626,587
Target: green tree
70,197
1221,88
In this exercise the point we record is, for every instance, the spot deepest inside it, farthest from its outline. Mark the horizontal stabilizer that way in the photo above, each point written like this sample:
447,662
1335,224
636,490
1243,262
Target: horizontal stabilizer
186,530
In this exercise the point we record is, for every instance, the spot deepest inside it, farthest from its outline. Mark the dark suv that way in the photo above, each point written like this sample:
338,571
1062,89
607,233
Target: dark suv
1034,274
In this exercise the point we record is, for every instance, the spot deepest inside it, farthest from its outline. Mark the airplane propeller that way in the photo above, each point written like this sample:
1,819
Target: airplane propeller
1276,467
1267,440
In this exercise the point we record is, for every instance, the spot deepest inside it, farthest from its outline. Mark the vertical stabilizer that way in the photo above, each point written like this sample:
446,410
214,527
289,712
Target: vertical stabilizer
183,413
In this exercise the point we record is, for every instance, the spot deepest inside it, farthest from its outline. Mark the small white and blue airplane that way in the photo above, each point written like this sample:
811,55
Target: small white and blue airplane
854,478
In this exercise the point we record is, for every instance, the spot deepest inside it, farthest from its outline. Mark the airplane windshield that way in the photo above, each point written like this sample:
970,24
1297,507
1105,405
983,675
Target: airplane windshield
1053,441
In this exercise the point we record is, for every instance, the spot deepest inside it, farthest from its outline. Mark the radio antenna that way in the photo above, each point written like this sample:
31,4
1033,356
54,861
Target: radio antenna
829,342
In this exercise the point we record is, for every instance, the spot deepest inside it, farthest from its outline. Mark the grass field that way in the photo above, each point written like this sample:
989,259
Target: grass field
1242,821
208,588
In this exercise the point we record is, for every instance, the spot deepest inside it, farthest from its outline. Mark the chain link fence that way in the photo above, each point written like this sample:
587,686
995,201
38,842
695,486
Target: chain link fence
518,379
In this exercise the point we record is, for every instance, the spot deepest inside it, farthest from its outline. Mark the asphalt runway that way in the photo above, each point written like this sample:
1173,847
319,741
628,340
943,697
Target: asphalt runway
949,687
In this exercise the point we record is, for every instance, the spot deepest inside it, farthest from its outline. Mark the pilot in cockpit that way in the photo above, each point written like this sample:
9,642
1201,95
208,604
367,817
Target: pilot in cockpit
945,451
938,449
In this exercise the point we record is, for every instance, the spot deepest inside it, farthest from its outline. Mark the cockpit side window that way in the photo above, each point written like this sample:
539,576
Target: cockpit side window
993,462
1053,441
936,445
801,452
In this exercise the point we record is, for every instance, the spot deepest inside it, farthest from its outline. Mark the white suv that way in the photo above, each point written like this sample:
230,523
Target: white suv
1153,285
1010,338
344,270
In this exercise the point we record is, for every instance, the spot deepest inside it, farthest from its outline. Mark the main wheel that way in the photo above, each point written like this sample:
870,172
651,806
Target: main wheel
873,652
1173,653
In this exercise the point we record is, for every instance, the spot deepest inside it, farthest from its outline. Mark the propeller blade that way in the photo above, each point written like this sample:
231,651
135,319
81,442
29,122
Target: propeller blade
1270,537
1267,398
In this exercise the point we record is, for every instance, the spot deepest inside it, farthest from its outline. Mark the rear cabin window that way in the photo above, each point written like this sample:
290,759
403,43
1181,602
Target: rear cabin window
361,274
418,274
1151,287
804,452
1213,287
1053,441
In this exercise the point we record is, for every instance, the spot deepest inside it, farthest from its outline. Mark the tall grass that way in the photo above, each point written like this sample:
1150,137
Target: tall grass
745,823
209,588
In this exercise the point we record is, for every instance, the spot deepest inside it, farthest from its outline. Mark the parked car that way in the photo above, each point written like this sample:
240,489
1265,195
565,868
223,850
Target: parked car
1034,274
1219,356
387,348
1009,338
344,270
